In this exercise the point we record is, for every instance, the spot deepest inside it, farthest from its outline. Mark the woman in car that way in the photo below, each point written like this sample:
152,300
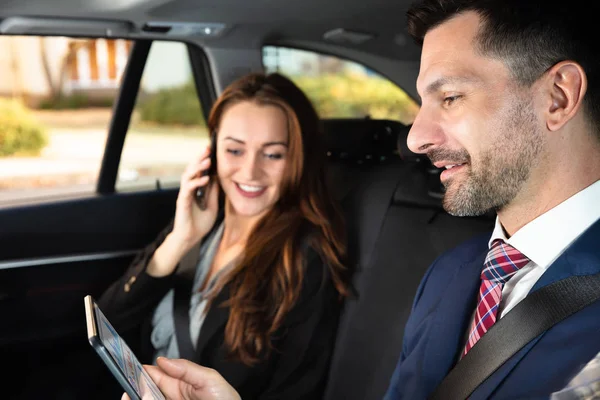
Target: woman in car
252,284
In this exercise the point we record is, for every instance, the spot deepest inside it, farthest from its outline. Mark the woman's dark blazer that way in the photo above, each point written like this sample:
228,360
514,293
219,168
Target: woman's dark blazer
298,367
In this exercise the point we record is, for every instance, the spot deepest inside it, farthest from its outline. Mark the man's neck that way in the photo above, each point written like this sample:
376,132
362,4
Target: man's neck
549,188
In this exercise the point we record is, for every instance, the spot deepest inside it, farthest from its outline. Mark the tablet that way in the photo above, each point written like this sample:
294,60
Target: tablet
117,356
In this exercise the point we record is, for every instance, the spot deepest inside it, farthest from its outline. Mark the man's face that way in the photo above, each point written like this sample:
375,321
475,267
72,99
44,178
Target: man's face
475,121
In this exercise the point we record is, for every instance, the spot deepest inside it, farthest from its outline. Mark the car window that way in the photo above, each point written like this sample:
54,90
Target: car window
341,88
56,95
167,128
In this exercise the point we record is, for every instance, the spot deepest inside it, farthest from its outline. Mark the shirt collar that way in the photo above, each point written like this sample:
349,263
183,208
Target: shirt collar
545,238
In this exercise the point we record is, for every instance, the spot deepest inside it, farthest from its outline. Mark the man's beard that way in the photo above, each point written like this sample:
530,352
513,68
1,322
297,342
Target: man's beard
500,171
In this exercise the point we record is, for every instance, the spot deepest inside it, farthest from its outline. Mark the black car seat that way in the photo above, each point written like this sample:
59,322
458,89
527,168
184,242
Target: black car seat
391,198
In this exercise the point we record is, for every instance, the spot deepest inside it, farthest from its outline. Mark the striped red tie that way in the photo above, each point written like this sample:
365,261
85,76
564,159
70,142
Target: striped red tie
501,263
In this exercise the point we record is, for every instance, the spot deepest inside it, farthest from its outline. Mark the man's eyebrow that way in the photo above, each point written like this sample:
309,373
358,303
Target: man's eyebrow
435,86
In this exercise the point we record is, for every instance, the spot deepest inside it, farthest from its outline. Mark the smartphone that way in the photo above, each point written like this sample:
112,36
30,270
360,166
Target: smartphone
202,192
117,356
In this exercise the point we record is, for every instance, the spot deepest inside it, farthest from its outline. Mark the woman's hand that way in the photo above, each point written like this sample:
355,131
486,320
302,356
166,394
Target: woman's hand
191,223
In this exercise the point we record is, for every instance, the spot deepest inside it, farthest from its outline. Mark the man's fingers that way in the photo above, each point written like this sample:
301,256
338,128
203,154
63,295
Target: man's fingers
155,373
168,386
125,397
185,370
171,367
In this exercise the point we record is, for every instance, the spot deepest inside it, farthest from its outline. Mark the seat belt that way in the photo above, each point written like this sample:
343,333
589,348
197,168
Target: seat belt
535,314
184,283
181,318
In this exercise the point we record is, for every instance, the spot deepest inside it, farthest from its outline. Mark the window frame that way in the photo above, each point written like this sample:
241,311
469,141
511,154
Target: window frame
121,115
126,101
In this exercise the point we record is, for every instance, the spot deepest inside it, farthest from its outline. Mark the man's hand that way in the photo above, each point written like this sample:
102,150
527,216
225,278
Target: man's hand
180,379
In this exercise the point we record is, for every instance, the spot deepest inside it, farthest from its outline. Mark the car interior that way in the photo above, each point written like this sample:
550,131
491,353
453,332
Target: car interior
54,250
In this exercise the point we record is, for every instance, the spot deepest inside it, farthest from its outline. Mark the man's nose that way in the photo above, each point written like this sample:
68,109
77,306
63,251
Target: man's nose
424,133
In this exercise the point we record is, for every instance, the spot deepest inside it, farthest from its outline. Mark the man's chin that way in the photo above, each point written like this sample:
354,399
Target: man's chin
458,206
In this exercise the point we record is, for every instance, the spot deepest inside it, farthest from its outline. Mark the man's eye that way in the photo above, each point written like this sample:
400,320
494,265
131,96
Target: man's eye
451,99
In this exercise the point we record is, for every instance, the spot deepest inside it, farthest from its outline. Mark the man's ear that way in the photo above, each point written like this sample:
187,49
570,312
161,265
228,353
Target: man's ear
566,86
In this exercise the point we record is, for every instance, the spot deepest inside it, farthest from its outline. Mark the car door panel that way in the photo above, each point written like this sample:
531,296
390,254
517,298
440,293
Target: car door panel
57,253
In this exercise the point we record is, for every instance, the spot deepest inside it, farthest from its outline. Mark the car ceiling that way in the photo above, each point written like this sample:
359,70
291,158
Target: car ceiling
250,23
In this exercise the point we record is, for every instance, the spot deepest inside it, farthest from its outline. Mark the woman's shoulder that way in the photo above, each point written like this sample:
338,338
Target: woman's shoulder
316,270
311,240
311,249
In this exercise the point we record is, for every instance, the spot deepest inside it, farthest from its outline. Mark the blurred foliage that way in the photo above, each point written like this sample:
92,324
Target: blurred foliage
20,133
75,101
353,95
346,95
173,106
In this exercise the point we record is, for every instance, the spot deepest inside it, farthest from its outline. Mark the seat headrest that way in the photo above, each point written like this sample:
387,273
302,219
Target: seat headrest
406,153
379,141
425,187
363,141
419,186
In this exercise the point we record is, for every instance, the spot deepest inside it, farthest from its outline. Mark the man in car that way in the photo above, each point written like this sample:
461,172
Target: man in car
511,110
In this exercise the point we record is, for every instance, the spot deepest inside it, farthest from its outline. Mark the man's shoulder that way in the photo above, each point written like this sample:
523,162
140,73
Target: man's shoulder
445,266
465,252
443,269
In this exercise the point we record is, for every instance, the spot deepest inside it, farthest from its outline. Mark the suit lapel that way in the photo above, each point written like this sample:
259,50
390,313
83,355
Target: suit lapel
452,318
215,319
581,258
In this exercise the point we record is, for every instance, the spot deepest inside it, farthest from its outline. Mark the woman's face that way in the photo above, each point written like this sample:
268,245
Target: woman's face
252,152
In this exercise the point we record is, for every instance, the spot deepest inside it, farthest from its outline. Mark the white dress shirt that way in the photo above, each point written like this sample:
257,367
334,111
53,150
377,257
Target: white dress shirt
545,238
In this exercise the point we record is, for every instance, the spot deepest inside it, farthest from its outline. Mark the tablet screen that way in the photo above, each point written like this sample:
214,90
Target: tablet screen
126,360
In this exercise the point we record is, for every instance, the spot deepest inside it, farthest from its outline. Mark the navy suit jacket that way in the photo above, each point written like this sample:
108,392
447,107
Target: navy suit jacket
442,311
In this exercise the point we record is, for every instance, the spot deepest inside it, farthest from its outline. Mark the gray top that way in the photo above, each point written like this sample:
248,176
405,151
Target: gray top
163,326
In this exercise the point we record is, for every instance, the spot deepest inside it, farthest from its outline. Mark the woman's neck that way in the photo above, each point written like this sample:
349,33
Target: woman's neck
237,227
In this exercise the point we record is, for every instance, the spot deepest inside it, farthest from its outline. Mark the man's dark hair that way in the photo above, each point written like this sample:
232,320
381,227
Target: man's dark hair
530,36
